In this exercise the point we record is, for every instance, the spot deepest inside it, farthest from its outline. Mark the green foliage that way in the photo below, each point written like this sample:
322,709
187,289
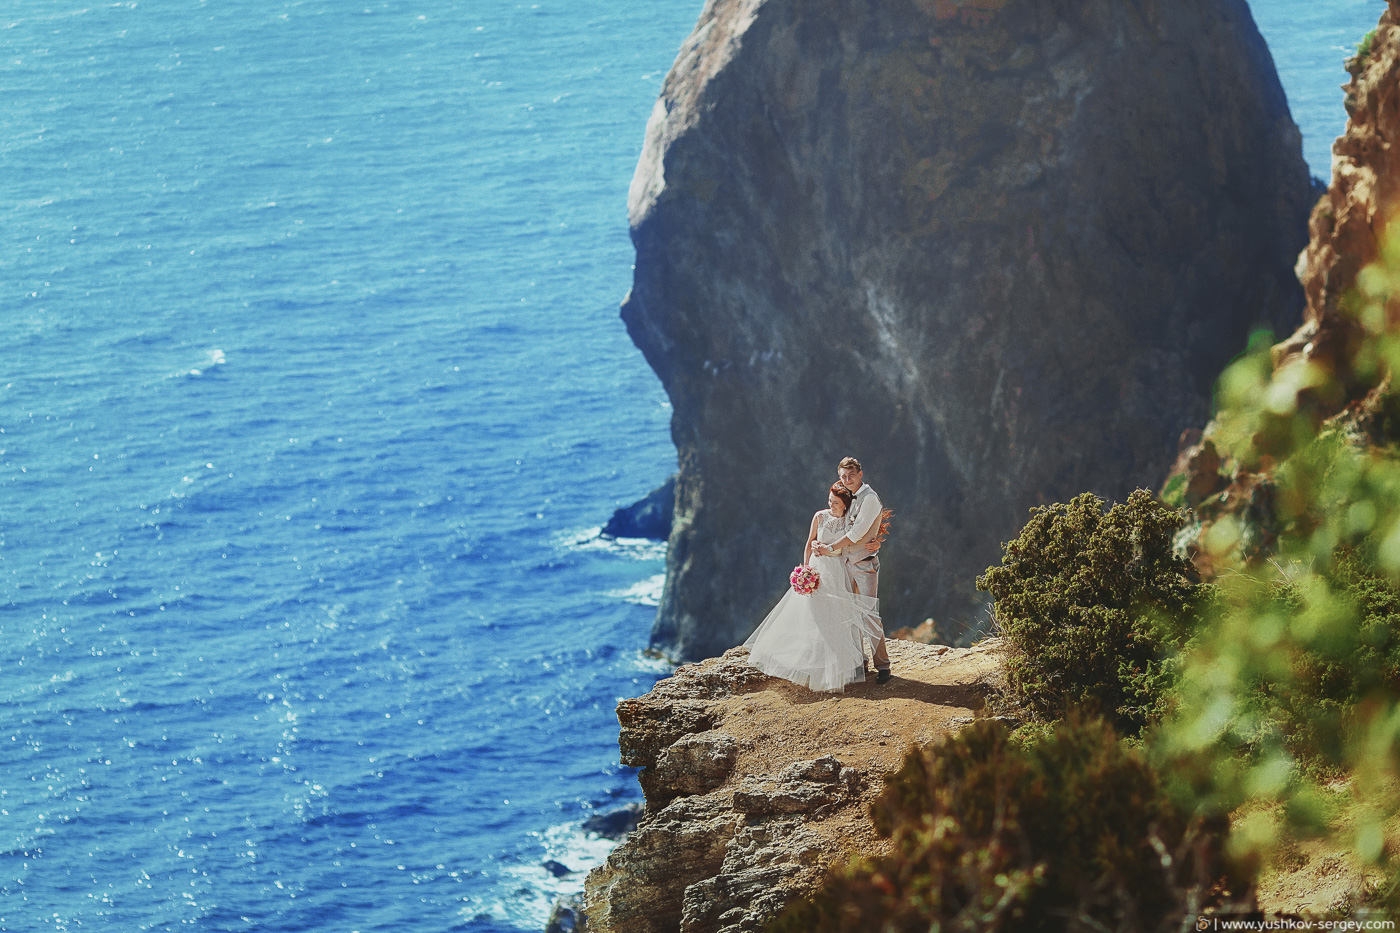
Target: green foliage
1095,607
1174,492
1363,49
1329,679
1301,666
1070,831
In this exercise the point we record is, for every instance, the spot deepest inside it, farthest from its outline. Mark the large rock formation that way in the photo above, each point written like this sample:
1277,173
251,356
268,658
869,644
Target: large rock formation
997,249
755,785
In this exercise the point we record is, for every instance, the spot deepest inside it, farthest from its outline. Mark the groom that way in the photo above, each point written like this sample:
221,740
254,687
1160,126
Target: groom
860,548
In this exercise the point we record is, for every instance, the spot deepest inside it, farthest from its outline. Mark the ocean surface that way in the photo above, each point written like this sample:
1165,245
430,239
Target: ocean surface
313,397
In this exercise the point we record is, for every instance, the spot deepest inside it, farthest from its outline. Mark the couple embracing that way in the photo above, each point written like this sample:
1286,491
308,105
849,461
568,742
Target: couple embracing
813,637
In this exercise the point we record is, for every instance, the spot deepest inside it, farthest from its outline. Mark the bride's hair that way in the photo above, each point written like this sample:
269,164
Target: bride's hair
844,494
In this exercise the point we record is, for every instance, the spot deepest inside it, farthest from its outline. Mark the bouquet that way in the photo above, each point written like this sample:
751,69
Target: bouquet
805,580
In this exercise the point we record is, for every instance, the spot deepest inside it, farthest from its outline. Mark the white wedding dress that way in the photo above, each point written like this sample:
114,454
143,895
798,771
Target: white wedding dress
815,640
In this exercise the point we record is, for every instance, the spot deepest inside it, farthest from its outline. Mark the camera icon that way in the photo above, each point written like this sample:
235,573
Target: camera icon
1202,923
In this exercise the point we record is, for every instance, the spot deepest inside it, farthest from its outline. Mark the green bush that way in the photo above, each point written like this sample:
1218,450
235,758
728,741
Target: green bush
1363,49
1329,678
1095,608
1072,832
1301,661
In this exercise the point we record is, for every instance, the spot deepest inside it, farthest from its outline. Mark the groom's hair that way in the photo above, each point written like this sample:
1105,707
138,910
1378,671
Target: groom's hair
850,463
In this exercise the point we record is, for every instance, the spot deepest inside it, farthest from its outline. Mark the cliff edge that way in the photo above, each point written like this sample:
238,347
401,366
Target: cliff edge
997,249
754,785
1346,224
1346,231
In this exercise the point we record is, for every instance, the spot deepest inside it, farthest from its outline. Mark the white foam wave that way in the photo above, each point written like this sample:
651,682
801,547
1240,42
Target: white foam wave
530,891
644,592
212,358
652,664
591,539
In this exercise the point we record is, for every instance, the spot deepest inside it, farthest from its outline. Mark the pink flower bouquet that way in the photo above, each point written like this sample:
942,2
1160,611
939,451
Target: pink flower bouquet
805,580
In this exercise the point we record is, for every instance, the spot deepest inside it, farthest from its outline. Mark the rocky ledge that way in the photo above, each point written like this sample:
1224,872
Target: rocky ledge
754,785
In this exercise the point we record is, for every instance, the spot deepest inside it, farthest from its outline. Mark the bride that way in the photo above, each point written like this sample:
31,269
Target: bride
815,640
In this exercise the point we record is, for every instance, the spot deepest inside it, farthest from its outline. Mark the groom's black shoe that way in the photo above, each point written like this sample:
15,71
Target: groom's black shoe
882,677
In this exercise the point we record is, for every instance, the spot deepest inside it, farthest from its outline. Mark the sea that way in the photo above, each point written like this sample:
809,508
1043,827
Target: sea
313,399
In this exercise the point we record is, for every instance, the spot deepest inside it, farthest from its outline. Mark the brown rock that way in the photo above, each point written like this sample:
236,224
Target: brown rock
770,798
1200,468
801,787
925,634
743,900
641,887
1346,224
650,725
795,797
695,764
824,770
678,706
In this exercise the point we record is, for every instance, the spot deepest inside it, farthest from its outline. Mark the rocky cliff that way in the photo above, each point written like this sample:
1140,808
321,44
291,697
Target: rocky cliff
754,785
1345,233
1363,198
997,249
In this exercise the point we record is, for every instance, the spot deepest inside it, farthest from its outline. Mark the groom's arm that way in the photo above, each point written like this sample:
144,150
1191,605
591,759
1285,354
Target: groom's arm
866,518
869,514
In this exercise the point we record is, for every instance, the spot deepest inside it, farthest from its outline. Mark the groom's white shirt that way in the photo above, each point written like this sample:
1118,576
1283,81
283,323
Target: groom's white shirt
865,516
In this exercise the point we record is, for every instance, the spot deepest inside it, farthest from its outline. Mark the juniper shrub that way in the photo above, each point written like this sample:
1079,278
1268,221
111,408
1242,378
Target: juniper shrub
1095,608
1072,832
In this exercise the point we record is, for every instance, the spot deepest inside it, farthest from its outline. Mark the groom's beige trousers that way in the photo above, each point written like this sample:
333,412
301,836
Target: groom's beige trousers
865,577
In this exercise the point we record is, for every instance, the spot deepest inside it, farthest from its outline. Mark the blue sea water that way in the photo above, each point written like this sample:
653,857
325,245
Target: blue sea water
312,398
